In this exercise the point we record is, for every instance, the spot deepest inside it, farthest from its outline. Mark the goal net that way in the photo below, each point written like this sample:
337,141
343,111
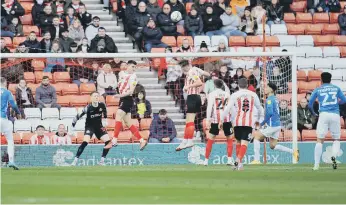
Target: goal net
160,86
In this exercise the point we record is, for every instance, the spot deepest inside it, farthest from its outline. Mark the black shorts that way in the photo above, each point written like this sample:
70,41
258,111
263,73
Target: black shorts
193,103
242,133
99,131
126,104
227,129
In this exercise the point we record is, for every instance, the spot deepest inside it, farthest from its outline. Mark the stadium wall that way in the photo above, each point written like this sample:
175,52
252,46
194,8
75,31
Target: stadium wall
155,154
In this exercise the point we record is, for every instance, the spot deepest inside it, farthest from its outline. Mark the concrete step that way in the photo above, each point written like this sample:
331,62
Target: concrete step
163,104
145,74
156,98
175,116
115,34
180,122
124,45
98,12
122,40
169,109
92,7
106,17
145,81
157,92
91,2
152,86
127,50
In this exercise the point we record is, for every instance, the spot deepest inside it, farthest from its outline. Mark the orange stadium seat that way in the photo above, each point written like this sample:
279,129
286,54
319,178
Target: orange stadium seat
79,100
331,29
304,87
17,41
110,124
33,87
289,18
272,41
287,135
339,41
58,87
236,41
313,29
27,29
169,40
296,29
134,122
125,137
64,101
70,89
12,88
323,40
38,65
343,135
26,137
8,42
29,77
342,51
252,41
157,50
39,76
301,75
320,18
298,6
181,29
181,38
334,17
111,110
87,88
286,97
111,100
17,138
27,7
314,75
145,124
61,77
3,140
80,138
188,7
304,18
309,135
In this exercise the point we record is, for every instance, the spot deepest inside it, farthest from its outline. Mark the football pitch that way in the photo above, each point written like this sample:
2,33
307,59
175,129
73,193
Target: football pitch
185,184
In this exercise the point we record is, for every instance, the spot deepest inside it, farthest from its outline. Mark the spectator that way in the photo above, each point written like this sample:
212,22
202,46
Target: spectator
102,43
46,43
24,97
316,6
21,48
92,30
239,6
57,28
203,47
58,7
165,23
11,9
84,17
258,12
279,81
16,27
4,49
201,6
84,47
219,7
37,11
46,95
73,48
230,24
225,75
342,22
70,17
285,115
32,43
210,86
76,31
305,118
141,107
61,137
65,41
129,17
222,46
107,82
193,23
153,8
275,13
211,23
185,47
75,4
80,73
162,129
4,28
200,116
177,5
248,23
139,21
58,63
40,137
255,78
238,74
46,19
152,36
333,6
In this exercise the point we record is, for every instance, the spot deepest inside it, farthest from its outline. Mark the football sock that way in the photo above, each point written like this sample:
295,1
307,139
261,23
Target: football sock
135,132
81,149
105,151
10,150
256,149
242,152
189,130
229,147
336,148
283,148
237,148
208,148
318,153
118,126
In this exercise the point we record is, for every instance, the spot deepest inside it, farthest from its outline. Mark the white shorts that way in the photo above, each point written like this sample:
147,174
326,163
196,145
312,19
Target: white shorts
271,132
328,122
6,128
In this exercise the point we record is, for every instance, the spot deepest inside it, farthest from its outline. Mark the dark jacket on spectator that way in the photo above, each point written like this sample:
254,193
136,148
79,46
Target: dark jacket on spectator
334,6
21,101
34,46
46,22
323,5
211,22
16,8
218,10
110,45
16,29
342,21
52,31
65,44
139,21
152,35
193,24
45,95
44,48
161,129
153,10
134,110
130,14
37,12
78,71
275,12
85,19
166,24
178,7
305,116
201,8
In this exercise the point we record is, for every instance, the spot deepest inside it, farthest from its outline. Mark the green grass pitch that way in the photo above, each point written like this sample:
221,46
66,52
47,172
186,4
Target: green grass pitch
174,185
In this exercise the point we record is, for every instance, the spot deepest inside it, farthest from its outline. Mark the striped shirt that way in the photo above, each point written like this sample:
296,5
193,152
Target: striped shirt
126,81
217,102
193,75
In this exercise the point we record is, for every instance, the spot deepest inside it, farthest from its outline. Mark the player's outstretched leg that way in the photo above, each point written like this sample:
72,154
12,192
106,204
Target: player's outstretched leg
81,149
105,151
188,134
335,150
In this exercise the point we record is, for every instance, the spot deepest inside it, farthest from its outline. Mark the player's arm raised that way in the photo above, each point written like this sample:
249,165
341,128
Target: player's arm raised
79,116
268,112
311,102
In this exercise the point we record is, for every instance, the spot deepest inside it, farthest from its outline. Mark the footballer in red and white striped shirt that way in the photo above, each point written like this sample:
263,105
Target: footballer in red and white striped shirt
217,102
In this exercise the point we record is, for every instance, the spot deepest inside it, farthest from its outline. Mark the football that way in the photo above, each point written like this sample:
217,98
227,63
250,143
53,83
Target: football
176,16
